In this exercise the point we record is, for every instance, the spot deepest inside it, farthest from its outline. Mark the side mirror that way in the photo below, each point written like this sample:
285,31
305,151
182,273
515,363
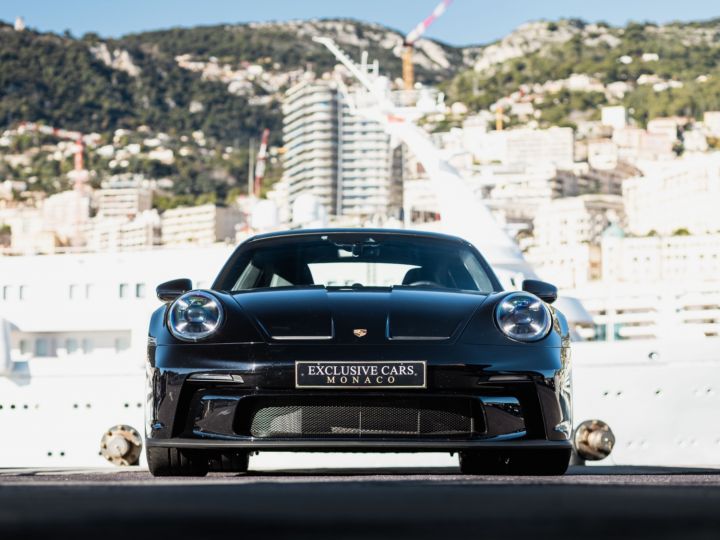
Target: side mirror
170,290
543,290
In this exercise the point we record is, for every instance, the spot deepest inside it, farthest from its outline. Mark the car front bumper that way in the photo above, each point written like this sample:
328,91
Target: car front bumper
516,397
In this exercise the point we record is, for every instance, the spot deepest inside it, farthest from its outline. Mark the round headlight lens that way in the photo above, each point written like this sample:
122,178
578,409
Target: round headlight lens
195,316
523,316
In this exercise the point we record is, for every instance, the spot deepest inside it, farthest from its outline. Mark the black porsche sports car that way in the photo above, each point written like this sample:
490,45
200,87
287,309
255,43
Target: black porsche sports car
358,340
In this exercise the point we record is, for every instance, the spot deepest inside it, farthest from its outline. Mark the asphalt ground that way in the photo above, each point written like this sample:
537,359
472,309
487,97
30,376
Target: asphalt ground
587,503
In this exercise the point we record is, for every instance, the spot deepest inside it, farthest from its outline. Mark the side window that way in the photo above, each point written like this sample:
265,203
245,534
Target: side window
41,347
121,344
123,290
279,281
71,346
249,278
477,273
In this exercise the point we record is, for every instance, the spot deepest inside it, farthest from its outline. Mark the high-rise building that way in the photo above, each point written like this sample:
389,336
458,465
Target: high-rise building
678,194
122,202
118,234
310,132
567,237
614,116
667,127
524,146
343,159
677,259
366,187
67,213
711,121
203,225
577,220
584,180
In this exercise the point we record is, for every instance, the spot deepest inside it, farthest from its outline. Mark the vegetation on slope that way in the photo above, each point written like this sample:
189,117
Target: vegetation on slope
685,54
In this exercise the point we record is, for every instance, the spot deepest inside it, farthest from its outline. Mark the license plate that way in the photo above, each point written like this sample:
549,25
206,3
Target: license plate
371,374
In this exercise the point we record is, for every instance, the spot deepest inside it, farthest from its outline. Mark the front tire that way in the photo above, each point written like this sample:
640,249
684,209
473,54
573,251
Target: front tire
515,462
175,462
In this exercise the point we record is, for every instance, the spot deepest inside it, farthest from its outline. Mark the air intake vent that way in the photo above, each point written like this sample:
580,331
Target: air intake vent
349,418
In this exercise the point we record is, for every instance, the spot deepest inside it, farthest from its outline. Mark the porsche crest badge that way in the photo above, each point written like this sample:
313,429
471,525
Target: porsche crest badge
360,332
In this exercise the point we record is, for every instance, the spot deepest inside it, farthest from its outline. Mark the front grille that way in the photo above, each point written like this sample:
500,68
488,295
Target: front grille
340,417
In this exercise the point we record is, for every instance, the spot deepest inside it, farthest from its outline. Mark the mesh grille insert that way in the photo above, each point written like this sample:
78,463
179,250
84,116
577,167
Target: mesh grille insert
323,417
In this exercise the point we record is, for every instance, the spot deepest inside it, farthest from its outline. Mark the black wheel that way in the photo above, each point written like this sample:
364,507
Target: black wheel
175,462
515,462
236,461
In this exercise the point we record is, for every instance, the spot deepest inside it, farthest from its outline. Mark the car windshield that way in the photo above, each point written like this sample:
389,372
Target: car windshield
357,261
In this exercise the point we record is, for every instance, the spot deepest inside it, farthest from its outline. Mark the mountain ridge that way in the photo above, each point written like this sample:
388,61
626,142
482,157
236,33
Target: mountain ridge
227,80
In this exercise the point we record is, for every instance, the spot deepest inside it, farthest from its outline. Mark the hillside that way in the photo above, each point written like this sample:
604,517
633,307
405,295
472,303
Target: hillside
287,46
662,70
223,80
227,80
166,87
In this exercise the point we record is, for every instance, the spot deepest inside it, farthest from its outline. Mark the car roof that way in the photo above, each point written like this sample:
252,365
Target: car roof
355,231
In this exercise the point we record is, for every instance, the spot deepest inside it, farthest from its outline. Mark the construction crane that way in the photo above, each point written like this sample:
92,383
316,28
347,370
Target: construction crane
499,116
408,72
261,158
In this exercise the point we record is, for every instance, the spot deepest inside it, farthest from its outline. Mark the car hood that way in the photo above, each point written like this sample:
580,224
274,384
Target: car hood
359,316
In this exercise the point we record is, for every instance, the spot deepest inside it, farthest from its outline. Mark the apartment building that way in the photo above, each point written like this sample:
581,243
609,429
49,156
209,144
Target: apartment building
201,225
341,158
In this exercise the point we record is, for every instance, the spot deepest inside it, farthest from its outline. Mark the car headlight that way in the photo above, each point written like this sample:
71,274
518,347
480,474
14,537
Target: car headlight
523,316
195,316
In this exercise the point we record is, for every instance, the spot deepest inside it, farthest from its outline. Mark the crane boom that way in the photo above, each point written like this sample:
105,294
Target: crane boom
422,26
260,164
346,61
407,65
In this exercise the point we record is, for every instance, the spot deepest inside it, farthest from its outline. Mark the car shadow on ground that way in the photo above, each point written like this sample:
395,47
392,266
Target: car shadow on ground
577,470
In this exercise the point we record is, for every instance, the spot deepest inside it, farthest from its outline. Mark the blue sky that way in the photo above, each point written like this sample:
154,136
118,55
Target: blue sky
466,22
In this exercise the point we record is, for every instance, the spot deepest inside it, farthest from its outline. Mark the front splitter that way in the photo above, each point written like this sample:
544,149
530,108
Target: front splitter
357,446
